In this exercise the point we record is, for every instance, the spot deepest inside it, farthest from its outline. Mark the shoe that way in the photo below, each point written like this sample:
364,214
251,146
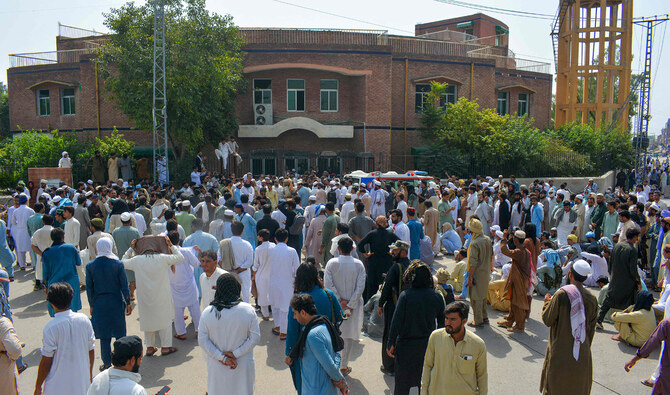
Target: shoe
82,287
20,369
37,287
104,367
386,372
599,325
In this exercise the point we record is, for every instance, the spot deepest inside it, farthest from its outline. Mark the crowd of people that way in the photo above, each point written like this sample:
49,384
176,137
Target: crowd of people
326,258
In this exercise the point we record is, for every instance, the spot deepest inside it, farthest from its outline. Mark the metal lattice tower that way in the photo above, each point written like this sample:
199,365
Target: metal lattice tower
642,124
161,168
593,60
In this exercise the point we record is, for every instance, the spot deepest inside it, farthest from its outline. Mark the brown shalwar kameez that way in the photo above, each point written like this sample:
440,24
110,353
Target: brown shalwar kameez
516,288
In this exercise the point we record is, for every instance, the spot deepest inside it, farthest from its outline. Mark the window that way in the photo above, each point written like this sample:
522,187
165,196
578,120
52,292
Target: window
262,91
422,90
329,95
502,103
67,101
469,31
43,105
263,165
295,95
498,40
449,96
523,104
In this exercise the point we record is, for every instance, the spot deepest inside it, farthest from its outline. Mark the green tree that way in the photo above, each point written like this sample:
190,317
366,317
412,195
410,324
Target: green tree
4,110
203,59
34,149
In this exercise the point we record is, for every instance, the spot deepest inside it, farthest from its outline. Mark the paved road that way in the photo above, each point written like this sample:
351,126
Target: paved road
514,360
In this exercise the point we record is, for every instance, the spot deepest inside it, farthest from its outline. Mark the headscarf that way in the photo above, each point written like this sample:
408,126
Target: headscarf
319,209
119,207
552,257
227,295
152,244
63,154
644,301
446,227
104,246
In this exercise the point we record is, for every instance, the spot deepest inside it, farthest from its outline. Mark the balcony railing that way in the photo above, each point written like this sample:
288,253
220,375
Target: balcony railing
313,36
51,57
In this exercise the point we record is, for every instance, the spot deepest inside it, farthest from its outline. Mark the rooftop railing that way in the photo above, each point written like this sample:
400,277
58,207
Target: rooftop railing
51,57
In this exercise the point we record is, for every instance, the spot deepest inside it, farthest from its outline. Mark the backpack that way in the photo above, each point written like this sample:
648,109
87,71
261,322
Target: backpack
331,196
296,227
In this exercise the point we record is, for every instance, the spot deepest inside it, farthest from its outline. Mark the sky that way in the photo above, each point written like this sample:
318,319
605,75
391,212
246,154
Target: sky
32,26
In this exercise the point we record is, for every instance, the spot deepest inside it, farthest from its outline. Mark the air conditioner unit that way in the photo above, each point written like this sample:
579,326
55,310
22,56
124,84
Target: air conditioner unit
263,114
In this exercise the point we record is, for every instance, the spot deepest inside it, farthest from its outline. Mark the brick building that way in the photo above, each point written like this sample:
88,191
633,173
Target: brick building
335,100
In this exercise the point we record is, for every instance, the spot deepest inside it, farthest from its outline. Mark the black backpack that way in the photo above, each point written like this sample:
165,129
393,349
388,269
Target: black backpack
296,227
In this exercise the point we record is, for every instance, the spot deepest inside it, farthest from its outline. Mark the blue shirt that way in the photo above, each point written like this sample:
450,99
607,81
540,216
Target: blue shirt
319,364
249,233
415,236
536,217
59,264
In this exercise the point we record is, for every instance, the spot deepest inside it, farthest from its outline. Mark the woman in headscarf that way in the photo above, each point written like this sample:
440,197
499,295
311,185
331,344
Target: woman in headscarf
307,281
228,332
119,206
10,348
109,297
636,323
419,311
313,238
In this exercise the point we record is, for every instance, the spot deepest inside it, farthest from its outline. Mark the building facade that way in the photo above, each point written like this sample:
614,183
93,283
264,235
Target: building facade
335,100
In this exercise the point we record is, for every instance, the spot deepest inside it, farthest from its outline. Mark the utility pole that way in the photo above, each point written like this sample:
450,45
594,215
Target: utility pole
641,136
160,138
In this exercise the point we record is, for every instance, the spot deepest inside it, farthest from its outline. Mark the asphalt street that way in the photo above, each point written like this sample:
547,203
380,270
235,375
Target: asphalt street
514,360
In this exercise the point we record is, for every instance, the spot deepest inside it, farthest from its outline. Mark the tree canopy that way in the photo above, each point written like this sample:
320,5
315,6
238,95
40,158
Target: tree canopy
203,65
4,110
466,140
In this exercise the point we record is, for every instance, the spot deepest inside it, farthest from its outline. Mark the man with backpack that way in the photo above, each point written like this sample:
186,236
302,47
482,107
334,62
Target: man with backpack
393,286
294,224
316,348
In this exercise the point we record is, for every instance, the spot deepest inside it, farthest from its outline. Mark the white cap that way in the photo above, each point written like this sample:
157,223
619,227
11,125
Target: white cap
495,227
332,183
56,199
581,267
499,234
90,182
125,217
520,234
377,182
185,203
655,207
312,198
580,197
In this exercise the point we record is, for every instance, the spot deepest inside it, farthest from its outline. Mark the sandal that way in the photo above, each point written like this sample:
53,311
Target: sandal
515,330
275,331
180,337
282,336
647,382
151,351
345,371
169,351
503,324
473,325
25,366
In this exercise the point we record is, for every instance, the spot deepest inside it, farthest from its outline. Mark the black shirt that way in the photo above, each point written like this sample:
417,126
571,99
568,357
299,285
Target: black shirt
418,313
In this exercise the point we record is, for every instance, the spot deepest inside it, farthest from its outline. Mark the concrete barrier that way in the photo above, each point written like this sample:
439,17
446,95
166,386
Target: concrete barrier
575,184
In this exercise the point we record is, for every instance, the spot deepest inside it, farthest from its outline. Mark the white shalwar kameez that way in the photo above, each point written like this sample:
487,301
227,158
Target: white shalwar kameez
154,297
345,276
244,258
235,331
598,268
184,289
19,231
563,229
378,203
42,240
284,262
262,269
208,287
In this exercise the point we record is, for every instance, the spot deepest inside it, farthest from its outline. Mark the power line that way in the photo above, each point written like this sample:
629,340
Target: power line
342,16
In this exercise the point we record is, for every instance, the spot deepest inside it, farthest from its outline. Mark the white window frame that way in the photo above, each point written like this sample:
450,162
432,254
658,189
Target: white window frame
418,108
445,96
506,100
526,103
47,101
71,99
253,88
296,90
329,91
